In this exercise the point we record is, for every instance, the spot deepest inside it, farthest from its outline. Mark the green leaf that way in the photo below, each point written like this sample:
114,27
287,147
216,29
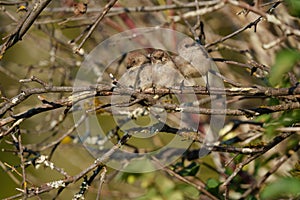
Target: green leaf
284,187
293,7
190,170
150,194
212,183
285,60
251,198
286,119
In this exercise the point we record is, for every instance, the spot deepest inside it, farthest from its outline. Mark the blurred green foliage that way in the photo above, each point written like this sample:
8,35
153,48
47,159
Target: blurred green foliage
212,185
286,119
158,186
287,187
285,61
293,7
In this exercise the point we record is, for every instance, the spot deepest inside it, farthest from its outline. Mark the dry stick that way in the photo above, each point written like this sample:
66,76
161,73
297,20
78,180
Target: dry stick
49,89
91,29
86,183
225,79
164,7
232,62
235,112
103,90
255,188
276,41
24,25
20,149
201,11
259,92
11,3
289,129
289,30
98,162
17,123
21,153
187,109
198,16
12,17
9,170
71,130
246,6
266,148
45,161
172,173
193,29
63,183
254,23
234,33
120,10
102,179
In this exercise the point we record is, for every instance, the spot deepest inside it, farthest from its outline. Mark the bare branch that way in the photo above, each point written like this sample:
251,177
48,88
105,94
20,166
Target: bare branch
24,25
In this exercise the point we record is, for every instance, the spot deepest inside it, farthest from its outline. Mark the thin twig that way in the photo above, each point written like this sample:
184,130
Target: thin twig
100,162
91,29
24,25
270,145
255,187
201,187
101,182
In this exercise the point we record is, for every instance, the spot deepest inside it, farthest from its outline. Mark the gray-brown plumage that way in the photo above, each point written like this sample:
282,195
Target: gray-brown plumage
164,69
157,70
138,74
159,56
196,55
193,61
136,59
160,69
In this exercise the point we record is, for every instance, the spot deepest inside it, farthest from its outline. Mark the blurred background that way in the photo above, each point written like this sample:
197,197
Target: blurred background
247,57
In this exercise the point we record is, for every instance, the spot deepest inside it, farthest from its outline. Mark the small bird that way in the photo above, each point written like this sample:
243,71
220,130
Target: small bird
157,71
137,75
177,69
165,73
160,69
195,54
136,59
193,60
159,56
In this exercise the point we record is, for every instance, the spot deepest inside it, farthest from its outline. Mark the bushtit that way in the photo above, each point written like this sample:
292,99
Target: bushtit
137,76
136,59
165,72
193,60
162,70
195,54
157,71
